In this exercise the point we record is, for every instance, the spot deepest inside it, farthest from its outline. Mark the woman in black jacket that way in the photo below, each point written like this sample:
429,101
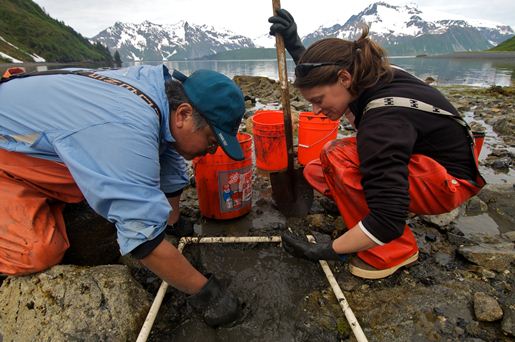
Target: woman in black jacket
412,152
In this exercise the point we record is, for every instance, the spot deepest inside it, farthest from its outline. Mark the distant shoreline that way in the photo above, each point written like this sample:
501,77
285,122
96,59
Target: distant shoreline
475,55
51,64
498,55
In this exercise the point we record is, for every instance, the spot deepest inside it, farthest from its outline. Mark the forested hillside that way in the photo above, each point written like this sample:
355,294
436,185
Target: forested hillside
27,32
507,45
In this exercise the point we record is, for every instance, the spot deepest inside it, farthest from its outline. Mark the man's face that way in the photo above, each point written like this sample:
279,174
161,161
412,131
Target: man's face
191,142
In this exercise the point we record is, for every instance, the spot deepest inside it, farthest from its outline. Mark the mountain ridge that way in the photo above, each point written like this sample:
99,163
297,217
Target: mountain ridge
400,29
179,41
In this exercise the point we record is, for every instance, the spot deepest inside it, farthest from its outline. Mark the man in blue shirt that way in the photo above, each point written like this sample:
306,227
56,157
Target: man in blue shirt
117,138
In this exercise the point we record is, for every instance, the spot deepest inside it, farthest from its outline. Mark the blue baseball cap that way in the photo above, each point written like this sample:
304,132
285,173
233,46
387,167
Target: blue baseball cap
220,101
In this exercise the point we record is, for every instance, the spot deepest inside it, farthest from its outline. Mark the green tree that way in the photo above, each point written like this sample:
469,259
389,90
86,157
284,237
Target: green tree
117,59
25,25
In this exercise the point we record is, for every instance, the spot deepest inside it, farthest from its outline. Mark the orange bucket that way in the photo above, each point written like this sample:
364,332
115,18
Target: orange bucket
224,186
269,140
314,131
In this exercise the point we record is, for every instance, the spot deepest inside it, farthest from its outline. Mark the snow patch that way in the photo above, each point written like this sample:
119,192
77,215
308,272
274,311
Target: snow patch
13,60
264,41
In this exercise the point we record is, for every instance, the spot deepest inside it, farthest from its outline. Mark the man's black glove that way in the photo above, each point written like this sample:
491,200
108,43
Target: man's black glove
284,24
301,248
183,227
218,306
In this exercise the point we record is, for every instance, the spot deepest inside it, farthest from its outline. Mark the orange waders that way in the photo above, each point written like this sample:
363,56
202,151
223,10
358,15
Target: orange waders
432,191
33,192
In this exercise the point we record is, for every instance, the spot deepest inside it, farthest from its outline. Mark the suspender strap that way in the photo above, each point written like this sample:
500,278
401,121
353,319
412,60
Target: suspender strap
413,104
425,107
416,104
95,76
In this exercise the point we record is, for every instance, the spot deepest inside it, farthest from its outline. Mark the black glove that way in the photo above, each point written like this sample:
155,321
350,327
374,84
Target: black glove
218,306
284,24
301,248
183,227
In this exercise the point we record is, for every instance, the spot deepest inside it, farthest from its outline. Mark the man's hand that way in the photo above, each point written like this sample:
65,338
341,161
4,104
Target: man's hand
283,24
301,248
183,227
217,305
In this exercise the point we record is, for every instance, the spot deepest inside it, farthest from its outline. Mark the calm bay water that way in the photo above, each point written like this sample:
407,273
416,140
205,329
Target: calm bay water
446,71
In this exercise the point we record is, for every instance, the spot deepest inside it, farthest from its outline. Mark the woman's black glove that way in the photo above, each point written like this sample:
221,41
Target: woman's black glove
217,305
284,24
301,248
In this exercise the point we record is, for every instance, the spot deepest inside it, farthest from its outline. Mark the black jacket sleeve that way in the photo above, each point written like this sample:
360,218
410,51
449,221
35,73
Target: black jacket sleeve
385,145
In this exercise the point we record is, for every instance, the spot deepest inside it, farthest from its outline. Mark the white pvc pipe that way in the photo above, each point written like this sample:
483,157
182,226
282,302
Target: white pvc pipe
156,304
152,313
231,239
353,322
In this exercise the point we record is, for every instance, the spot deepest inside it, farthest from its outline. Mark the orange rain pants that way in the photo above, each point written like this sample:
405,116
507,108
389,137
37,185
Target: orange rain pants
432,191
33,192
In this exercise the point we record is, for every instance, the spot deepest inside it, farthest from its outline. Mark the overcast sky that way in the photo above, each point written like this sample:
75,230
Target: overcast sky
249,18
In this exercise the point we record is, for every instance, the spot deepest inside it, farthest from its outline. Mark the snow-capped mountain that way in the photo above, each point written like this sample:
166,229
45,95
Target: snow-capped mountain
153,42
264,41
405,30
402,30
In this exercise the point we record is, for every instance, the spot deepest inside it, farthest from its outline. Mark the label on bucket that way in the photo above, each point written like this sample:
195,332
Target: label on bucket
235,189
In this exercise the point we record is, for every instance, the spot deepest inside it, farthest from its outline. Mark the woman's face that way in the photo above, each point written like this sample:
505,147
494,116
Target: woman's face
332,100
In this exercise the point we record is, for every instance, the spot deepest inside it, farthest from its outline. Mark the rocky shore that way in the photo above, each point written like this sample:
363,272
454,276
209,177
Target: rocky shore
461,289
508,55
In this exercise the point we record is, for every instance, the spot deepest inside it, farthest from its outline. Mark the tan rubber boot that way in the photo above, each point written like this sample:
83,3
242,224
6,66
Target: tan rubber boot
361,269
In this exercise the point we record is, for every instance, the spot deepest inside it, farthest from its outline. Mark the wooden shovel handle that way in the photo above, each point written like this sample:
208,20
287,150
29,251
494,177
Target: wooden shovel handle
285,94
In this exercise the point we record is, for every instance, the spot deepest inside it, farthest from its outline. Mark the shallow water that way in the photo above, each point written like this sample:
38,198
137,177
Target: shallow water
480,227
492,141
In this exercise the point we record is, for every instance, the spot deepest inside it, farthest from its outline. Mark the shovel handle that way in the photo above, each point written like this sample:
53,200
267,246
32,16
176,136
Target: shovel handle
285,94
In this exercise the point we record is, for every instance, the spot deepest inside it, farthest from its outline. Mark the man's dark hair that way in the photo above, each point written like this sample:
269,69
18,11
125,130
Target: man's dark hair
176,96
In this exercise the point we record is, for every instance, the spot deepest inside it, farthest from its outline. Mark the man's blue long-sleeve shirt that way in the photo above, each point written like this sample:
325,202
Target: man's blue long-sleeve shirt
112,142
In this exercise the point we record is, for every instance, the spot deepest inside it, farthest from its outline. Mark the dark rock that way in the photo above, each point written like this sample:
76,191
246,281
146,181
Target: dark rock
496,257
429,80
501,164
476,206
330,206
505,125
430,237
438,311
508,322
500,198
442,220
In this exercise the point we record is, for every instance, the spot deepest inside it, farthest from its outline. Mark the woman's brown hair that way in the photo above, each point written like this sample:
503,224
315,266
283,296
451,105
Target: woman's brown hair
364,59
